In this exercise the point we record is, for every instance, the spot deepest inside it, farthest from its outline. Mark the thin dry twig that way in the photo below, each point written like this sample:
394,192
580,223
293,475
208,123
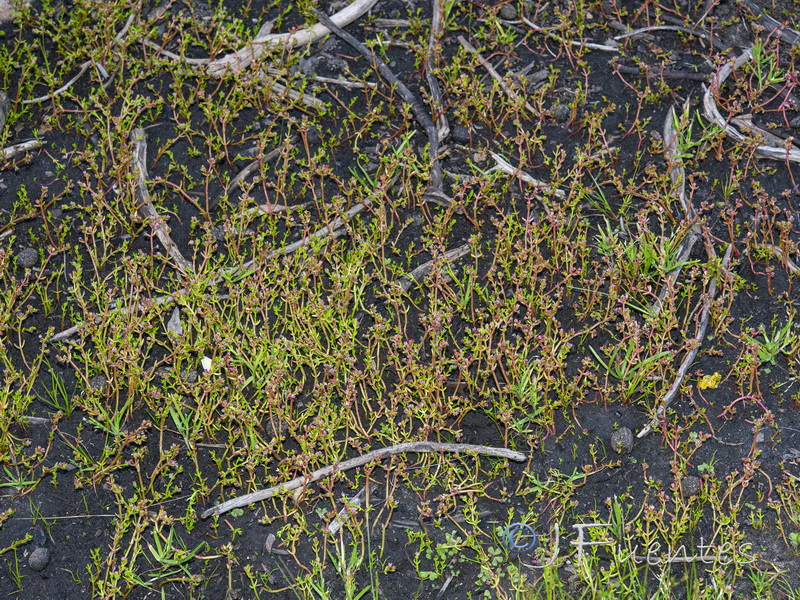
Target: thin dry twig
421,271
263,42
658,72
690,356
782,256
236,182
306,99
332,231
785,34
495,75
173,56
360,461
85,65
435,192
357,85
146,209
696,32
561,40
677,175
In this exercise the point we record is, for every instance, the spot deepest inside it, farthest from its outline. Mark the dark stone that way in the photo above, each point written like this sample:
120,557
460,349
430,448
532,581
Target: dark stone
27,258
38,559
622,440
98,382
690,486
561,112
460,134
312,135
508,12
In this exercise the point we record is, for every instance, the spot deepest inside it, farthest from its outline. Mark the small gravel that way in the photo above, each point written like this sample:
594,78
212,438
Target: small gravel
98,382
622,440
38,559
27,258
460,134
508,12
690,486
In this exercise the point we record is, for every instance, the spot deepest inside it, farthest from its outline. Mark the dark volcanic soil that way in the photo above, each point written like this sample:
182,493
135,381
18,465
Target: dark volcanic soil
741,454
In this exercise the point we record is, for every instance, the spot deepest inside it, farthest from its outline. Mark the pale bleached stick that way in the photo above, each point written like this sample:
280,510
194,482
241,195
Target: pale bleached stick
146,209
236,182
432,59
242,58
306,99
697,32
12,151
558,38
790,264
332,231
788,153
360,461
690,356
677,175
501,164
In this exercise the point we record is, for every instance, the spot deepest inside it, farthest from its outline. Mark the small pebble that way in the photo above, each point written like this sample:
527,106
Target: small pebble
690,486
561,112
39,558
479,158
189,375
460,134
508,12
5,108
218,231
27,258
174,325
98,382
622,440
312,135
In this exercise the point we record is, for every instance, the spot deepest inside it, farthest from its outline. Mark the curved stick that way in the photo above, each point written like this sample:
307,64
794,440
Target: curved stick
359,461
